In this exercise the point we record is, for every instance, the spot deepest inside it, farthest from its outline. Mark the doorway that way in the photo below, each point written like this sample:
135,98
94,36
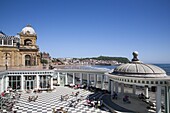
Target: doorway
29,84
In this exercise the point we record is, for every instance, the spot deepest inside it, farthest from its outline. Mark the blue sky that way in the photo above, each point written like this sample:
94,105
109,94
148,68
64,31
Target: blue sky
88,28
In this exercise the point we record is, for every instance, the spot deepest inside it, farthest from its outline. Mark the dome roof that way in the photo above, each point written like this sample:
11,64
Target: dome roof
28,30
136,68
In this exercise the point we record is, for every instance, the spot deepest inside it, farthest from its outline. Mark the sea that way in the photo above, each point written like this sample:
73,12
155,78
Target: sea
165,67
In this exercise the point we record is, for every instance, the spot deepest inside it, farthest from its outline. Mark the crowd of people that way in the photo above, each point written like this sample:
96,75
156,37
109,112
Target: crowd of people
94,103
125,98
8,98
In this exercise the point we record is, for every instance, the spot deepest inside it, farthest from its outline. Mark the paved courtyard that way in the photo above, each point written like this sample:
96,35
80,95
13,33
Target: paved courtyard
48,100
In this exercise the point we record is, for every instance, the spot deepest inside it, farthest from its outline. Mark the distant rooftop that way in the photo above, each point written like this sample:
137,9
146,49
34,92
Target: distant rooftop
2,33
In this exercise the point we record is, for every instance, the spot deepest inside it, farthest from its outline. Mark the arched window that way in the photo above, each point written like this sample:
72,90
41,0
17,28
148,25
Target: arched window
27,60
27,42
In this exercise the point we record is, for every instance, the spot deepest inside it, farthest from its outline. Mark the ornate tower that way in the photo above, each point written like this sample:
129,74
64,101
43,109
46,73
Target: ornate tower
28,48
28,37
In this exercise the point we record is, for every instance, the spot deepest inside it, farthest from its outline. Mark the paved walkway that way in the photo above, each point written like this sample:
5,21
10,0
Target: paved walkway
107,100
48,100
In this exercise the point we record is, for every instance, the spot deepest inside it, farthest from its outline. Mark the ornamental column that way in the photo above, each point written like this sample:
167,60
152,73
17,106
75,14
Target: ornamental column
112,87
102,82
81,78
167,99
66,78
158,99
2,42
51,82
2,85
122,89
88,79
58,78
134,89
38,81
146,91
22,82
6,82
116,87
109,85
95,80
73,78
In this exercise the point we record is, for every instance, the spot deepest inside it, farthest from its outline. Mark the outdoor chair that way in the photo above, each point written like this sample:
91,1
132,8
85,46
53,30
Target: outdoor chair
35,98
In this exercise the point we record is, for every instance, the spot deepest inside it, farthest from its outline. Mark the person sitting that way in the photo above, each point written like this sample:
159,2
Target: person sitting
76,87
115,95
142,96
79,85
3,93
29,99
76,93
10,89
126,99
7,91
89,103
61,97
98,104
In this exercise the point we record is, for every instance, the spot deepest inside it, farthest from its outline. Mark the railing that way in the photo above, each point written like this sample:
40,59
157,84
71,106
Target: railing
18,68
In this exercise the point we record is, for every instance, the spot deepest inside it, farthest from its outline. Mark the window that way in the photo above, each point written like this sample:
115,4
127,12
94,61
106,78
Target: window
15,83
5,42
9,42
27,42
0,41
45,81
27,60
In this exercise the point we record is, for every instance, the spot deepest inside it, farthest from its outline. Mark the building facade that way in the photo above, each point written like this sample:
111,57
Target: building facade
21,50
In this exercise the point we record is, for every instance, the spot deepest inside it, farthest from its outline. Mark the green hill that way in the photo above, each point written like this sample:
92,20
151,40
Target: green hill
118,59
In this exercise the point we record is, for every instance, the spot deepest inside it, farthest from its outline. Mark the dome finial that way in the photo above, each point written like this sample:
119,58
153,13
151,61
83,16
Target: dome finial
135,56
29,25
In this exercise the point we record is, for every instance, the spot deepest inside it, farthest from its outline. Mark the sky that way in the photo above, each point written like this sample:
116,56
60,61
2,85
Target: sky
90,28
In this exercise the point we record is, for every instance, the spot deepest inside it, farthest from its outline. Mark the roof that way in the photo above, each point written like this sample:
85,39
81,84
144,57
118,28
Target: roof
28,30
2,33
137,68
